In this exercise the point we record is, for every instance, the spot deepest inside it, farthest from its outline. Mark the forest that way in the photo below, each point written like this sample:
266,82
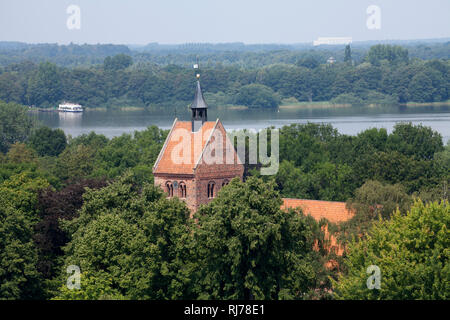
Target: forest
89,201
108,76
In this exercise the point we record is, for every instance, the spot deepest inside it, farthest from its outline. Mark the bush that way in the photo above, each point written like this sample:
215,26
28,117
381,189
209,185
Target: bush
48,142
347,98
256,96
411,252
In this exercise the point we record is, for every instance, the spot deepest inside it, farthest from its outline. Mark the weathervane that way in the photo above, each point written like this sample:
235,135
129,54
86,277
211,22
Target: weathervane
197,69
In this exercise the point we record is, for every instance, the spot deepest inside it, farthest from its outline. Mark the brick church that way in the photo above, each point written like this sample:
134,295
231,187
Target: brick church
184,168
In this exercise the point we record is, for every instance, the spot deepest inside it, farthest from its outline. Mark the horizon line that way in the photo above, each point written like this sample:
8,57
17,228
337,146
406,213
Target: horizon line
438,39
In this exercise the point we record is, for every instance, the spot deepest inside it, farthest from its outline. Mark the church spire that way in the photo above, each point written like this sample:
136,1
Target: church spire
199,108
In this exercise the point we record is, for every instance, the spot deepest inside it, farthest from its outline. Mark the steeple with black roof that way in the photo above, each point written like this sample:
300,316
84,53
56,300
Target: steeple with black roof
199,108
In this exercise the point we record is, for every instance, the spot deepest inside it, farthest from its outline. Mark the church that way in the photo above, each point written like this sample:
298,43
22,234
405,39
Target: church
198,159
194,163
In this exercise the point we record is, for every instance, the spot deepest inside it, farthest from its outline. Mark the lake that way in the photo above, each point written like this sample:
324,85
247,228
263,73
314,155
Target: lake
350,120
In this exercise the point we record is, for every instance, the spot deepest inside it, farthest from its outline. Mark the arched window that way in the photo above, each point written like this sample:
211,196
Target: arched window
182,190
169,188
211,189
225,182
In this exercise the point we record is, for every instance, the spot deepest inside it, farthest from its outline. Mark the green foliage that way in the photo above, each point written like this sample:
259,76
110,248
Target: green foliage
386,76
137,237
372,201
309,62
21,153
44,87
316,162
117,62
75,163
94,155
390,53
348,54
91,288
257,96
415,141
20,191
15,125
54,205
19,278
48,142
412,253
347,98
421,88
247,247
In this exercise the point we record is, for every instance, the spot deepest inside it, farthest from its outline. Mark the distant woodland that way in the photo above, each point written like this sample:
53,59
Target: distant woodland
255,76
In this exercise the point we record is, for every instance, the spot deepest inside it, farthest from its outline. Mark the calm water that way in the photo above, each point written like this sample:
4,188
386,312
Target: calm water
347,120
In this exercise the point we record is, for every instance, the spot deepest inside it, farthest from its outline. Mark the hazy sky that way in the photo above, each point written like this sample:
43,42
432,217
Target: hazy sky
249,21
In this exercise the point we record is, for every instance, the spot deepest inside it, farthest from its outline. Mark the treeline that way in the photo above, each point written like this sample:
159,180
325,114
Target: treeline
226,54
71,55
387,76
90,201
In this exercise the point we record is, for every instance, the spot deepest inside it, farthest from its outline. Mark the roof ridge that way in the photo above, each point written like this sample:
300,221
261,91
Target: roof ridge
161,152
206,144
314,200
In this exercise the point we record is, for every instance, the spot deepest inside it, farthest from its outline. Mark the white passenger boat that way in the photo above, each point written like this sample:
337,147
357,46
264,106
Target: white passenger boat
70,107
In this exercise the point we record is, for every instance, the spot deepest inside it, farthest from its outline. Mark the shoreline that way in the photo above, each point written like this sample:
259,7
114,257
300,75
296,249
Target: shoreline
425,104
295,106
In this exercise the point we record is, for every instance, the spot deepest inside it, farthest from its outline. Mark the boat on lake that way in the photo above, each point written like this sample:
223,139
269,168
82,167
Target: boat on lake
70,107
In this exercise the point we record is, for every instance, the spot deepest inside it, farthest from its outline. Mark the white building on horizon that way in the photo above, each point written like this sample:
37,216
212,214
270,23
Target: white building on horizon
332,40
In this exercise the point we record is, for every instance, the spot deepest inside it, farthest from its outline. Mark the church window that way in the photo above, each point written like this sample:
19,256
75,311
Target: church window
211,189
182,190
169,188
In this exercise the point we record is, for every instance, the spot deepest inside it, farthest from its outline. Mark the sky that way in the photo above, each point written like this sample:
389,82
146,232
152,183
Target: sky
213,21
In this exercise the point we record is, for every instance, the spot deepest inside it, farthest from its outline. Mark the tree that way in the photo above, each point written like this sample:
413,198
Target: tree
421,88
21,153
290,181
117,62
347,98
257,96
44,86
309,62
411,252
417,141
248,248
54,206
390,53
19,278
48,142
15,125
372,201
138,238
75,162
98,287
348,54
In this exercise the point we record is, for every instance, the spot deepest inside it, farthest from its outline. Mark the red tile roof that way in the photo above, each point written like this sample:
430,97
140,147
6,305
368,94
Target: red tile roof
198,141
333,211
